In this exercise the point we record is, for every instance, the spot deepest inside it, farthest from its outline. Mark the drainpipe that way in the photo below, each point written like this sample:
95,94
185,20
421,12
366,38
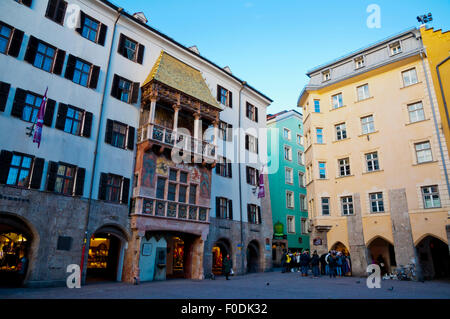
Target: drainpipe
442,89
240,179
94,163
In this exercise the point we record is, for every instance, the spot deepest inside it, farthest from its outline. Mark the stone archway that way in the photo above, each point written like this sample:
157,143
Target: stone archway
382,253
434,257
221,248
338,246
253,257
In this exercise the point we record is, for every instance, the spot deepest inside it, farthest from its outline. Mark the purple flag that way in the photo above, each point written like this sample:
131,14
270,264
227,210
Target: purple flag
40,121
261,192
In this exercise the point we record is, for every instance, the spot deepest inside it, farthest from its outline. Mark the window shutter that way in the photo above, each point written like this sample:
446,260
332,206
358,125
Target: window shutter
4,92
125,190
82,17
247,170
230,133
61,11
51,8
259,214
130,139
36,177
61,117
140,55
230,174
19,101
79,184
218,92
5,162
102,35
16,43
49,110
94,76
256,114
102,186
248,213
109,131
51,175
59,62
27,2
257,145
121,47
87,124
217,207
230,95
135,93
247,142
31,50
115,86
230,209
70,68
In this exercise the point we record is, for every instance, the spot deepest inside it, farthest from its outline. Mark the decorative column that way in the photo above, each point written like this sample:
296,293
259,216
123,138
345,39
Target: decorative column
197,144
151,116
216,137
176,108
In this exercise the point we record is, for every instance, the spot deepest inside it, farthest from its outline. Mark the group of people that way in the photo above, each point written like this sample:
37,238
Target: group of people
333,263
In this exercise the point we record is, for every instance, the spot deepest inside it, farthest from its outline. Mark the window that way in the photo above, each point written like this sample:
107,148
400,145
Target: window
430,195
287,153
74,118
300,158
44,57
224,96
326,76
252,176
252,112
319,135
372,162
225,131
423,152
395,48
341,131
289,199
193,194
317,106
182,193
289,175
90,29
290,224
160,187
376,202
171,191
322,170
81,73
113,185
303,205
367,124
183,177
325,206
56,10
64,179
223,167
224,208
251,143
336,101
253,214
19,171
5,34
25,2
173,173
287,134
416,112
363,92
344,167
31,108
347,205
299,139
409,77
359,62
301,179
304,226
130,49
119,134
125,90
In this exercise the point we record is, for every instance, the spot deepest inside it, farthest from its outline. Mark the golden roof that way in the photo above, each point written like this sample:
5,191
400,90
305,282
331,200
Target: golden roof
182,77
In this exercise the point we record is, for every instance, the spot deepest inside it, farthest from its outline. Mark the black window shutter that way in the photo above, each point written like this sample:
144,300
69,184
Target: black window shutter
16,43
229,170
218,92
230,95
217,207
36,177
31,50
87,124
59,62
109,131
82,17
79,184
94,76
51,175
247,169
230,133
70,68
51,8
27,2
257,145
247,113
140,55
259,214
256,114
4,93
102,186
115,86
102,35
135,93
5,162
248,213
246,142
121,47
230,209
61,117
125,190
49,110
130,140
19,101
61,11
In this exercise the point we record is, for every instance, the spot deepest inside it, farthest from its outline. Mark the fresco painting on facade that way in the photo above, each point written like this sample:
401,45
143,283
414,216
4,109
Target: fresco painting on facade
149,169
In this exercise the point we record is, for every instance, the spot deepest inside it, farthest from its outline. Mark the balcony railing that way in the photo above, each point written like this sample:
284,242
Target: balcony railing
168,137
181,211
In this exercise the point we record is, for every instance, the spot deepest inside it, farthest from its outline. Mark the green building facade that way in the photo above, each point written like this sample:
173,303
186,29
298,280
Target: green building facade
287,183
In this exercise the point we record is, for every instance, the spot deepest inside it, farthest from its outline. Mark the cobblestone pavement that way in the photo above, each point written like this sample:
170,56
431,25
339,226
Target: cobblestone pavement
269,285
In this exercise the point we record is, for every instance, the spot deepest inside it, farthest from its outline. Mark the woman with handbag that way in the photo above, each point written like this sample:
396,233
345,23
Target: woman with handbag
227,266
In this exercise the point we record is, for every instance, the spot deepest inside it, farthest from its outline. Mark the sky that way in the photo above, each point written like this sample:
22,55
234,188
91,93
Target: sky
272,44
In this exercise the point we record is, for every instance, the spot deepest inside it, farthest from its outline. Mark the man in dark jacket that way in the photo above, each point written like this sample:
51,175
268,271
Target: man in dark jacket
304,263
315,264
227,265
332,263
323,264
283,261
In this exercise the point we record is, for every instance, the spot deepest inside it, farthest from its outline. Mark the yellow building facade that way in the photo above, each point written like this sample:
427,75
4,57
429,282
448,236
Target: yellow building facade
376,165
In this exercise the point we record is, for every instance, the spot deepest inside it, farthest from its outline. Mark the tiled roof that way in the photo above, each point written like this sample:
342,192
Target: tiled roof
182,77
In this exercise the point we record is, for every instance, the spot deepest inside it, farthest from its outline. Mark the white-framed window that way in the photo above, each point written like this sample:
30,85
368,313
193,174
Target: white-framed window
289,175
301,179
409,77
341,131
395,48
300,158
423,152
337,101
363,92
416,112
376,202
367,124
326,75
359,62
372,162
304,226
290,224
251,143
430,195
347,205
299,139
322,170
287,153
325,206
303,203
344,167
289,199
287,134
319,135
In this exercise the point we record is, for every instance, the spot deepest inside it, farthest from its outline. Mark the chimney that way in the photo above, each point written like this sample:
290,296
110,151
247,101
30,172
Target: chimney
194,49
227,68
140,16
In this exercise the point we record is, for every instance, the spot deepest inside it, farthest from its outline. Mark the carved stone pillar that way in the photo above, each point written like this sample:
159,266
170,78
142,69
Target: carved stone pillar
176,108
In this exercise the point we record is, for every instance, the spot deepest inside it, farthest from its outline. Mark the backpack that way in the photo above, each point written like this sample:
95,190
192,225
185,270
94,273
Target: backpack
288,259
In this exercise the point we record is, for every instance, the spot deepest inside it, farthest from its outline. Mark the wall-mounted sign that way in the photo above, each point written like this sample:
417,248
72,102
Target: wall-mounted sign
317,241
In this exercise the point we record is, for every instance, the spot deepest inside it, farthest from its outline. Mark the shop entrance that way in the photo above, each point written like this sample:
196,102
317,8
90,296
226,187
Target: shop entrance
253,257
15,246
180,255
434,258
103,260
219,252
340,247
381,252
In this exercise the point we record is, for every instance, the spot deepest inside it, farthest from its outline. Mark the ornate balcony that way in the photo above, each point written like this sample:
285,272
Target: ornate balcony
175,210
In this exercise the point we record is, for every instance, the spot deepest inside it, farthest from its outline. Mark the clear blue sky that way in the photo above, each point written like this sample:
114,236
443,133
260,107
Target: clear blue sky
271,44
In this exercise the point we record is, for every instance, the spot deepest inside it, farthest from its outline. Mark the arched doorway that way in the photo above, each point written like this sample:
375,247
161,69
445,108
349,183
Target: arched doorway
253,257
340,247
105,255
219,251
15,250
381,252
434,258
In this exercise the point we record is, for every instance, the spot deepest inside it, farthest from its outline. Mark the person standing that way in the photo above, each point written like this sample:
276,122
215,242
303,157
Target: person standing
227,266
323,264
304,263
315,264
283,262
339,263
327,261
332,265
